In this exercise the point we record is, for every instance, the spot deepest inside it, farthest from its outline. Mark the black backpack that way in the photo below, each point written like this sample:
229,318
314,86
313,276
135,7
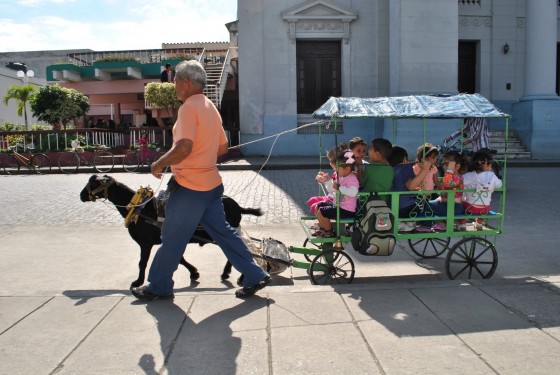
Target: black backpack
373,228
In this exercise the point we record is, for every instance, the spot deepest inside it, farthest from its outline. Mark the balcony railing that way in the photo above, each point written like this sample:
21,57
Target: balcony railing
142,56
470,2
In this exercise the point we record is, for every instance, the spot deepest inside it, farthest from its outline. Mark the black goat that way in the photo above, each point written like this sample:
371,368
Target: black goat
145,231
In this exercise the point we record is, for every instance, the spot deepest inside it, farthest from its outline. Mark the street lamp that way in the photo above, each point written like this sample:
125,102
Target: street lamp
24,76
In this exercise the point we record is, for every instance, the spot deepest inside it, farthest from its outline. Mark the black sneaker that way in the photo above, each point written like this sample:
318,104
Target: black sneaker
248,291
144,294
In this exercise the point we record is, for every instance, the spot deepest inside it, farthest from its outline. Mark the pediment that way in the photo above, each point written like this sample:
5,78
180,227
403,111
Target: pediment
323,10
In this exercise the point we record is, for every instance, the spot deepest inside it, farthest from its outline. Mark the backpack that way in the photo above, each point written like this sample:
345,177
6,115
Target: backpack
373,228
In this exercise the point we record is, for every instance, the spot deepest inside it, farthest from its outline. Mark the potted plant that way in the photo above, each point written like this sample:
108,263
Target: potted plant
162,100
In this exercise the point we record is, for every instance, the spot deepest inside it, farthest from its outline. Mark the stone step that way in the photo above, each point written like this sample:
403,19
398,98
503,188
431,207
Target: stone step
516,149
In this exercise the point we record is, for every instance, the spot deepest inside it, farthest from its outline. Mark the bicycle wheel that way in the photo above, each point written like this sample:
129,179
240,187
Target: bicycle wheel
10,164
68,162
40,163
131,161
158,155
103,161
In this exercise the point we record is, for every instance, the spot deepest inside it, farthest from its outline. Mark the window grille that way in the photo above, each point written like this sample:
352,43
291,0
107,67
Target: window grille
324,127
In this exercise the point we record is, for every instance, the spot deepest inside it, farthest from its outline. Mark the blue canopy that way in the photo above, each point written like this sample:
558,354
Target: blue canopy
413,106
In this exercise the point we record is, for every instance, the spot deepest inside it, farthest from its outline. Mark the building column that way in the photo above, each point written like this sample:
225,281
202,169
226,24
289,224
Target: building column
540,49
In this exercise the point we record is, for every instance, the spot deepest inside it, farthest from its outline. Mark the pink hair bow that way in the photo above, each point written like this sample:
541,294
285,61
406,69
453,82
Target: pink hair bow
349,155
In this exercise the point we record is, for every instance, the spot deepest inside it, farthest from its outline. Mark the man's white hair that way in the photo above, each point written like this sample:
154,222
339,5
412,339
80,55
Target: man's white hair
191,70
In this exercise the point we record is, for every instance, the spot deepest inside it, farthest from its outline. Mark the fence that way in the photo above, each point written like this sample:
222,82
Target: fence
59,140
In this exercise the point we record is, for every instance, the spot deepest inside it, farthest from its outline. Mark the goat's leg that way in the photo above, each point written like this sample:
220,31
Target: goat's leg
227,271
144,257
192,269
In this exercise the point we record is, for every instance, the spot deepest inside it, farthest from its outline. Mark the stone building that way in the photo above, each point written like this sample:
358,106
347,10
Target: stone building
295,54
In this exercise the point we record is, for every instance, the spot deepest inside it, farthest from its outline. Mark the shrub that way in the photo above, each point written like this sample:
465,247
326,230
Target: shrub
161,95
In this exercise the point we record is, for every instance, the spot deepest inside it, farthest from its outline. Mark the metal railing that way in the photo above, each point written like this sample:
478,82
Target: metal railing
142,56
59,140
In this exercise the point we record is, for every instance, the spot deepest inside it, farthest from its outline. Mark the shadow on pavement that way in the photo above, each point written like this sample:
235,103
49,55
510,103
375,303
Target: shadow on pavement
455,308
204,346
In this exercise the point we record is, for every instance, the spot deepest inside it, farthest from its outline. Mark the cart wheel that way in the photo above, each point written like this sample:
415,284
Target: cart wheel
471,254
331,267
312,245
429,247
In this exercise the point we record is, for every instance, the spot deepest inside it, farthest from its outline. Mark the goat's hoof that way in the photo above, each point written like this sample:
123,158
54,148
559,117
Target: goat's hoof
225,276
240,280
195,276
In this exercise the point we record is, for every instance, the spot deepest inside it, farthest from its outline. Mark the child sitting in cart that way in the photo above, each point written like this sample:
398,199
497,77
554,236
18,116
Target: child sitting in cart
378,174
326,180
454,164
406,179
359,148
427,152
348,185
484,180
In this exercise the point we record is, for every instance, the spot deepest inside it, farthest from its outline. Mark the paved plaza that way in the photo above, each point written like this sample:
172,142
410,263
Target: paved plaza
65,308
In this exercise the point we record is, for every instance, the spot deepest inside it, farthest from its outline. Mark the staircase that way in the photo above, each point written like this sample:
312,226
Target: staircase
515,149
212,89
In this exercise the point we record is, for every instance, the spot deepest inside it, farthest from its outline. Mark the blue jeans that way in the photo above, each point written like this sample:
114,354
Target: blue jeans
440,208
185,209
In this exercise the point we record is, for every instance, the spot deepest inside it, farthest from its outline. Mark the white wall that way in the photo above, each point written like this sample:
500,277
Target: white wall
8,113
423,57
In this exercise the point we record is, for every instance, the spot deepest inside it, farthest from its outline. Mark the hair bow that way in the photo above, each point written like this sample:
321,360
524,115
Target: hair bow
349,155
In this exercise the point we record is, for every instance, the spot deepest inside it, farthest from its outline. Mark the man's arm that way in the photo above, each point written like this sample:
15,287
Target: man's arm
222,149
179,151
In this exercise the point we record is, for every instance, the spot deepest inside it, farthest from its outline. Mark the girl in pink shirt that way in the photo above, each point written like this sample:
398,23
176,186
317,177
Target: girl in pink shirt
430,153
348,185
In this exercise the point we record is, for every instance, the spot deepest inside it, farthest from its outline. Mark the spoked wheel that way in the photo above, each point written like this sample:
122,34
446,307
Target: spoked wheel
131,161
68,162
103,161
10,165
310,245
429,247
40,163
472,257
332,267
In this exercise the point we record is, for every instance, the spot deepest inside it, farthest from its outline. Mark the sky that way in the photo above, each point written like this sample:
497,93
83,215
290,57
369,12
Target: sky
109,25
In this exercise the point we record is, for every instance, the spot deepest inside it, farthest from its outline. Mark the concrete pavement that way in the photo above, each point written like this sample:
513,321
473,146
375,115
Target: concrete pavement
65,267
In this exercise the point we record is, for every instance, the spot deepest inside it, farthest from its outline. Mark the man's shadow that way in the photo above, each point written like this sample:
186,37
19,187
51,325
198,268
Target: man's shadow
207,346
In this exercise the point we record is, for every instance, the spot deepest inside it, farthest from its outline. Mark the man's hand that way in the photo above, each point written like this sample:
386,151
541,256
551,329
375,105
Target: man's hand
156,169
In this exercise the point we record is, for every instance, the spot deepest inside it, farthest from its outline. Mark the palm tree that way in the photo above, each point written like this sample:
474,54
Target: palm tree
22,94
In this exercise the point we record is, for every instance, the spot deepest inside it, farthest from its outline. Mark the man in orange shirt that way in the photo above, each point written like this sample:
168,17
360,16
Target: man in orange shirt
198,140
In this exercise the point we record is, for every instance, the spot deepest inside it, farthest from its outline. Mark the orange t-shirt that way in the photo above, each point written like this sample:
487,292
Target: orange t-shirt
199,121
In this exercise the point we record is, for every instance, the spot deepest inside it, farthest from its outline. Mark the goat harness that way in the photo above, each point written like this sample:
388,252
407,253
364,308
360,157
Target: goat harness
137,203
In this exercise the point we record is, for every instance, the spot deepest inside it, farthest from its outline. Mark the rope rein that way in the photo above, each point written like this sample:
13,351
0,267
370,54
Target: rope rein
132,205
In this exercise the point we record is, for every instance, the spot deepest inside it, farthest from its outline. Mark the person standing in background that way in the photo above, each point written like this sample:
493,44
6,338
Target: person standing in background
167,74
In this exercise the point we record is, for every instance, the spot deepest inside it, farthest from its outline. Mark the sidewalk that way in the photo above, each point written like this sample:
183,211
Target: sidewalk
72,314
